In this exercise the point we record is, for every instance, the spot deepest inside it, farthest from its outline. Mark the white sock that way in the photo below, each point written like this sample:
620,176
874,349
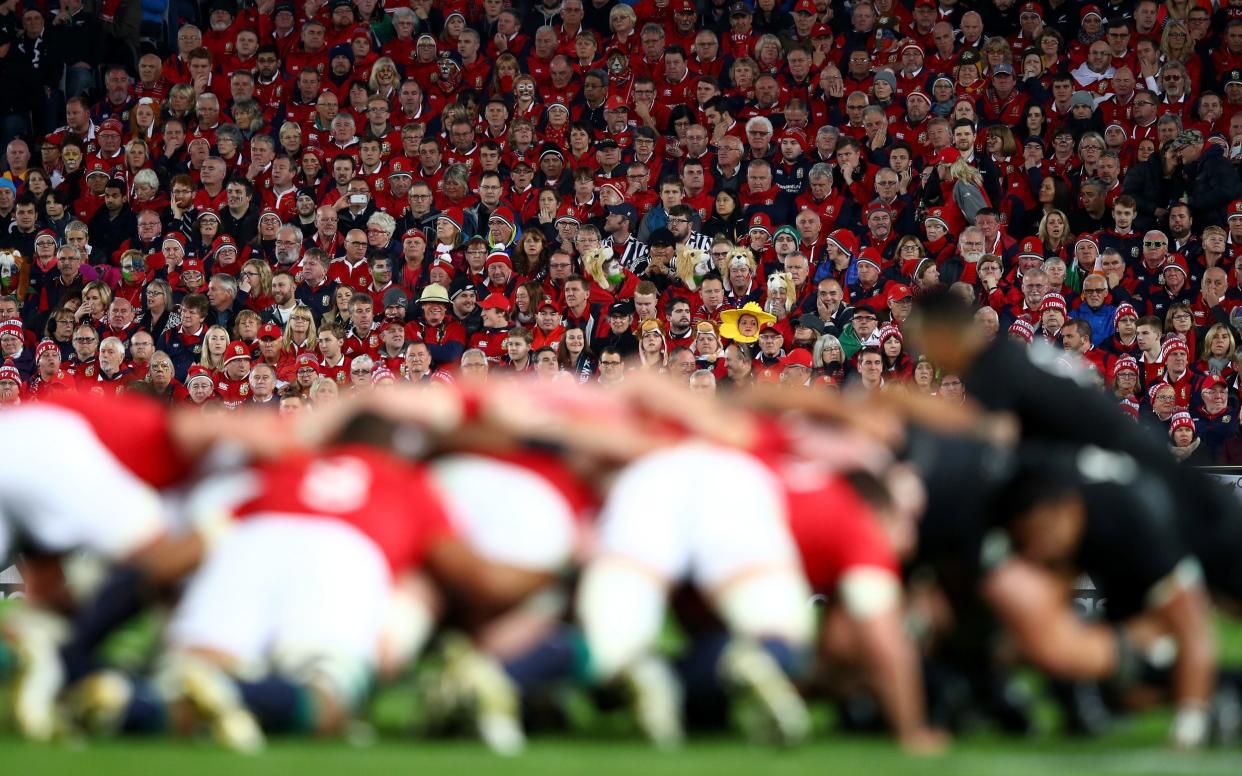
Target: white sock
768,604
408,623
621,609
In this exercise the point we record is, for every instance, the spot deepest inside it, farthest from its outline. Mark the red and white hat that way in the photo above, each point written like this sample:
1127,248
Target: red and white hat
235,351
9,372
1126,363
1181,420
306,361
505,216
1177,263
871,256
12,328
1031,246
398,168
1053,302
845,240
45,346
498,257
199,372
1023,328
1171,346
1125,310
888,331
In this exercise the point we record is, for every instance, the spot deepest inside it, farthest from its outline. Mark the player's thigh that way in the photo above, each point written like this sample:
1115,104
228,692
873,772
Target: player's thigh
507,513
335,595
646,517
740,524
232,603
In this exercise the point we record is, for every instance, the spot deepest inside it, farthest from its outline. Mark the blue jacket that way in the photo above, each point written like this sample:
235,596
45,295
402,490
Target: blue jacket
1101,321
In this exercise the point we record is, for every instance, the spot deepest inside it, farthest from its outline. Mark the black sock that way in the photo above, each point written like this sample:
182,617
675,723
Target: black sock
549,660
123,595
146,713
279,705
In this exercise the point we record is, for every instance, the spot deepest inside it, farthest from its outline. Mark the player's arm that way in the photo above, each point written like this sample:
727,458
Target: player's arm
1031,603
486,587
872,599
258,433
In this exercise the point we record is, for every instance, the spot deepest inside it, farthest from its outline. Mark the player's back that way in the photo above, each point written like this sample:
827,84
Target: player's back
387,499
134,429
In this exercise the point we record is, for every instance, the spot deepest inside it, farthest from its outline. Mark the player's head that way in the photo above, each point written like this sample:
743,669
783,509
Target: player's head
371,429
942,327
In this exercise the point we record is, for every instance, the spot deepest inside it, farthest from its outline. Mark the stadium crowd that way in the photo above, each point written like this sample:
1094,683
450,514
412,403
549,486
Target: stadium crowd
355,192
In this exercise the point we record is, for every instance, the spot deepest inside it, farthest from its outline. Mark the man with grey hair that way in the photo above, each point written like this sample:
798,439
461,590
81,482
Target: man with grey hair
473,366
728,169
112,372
703,381
263,385
222,296
759,137
288,249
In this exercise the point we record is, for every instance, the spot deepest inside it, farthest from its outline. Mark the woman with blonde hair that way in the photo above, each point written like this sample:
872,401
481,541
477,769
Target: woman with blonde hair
623,22
96,296
828,357
996,52
1054,233
505,69
743,74
246,327
255,279
769,54
965,190
300,333
384,78
1219,350
215,343
339,314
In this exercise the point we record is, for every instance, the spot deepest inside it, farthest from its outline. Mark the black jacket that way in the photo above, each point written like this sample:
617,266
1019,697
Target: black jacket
1209,183
1151,189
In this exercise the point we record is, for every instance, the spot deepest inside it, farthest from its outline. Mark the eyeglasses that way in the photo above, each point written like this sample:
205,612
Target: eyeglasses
679,220
83,340
1153,244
